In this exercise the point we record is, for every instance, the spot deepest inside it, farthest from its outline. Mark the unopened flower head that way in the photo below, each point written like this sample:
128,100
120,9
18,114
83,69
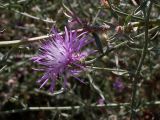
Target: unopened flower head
62,55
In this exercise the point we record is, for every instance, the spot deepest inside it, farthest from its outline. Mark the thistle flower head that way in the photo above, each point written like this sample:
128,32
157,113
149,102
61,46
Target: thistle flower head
61,55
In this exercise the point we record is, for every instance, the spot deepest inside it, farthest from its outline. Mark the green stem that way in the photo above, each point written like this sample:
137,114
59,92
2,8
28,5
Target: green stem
141,61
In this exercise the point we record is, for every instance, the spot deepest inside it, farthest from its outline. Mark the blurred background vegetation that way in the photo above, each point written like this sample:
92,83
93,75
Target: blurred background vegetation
119,30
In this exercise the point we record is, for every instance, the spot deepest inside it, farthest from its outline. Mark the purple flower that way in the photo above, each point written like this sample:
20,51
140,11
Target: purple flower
61,56
118,85
101,101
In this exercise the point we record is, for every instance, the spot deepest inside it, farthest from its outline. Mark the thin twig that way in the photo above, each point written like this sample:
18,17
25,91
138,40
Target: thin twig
126,14
67,108
7,4
34,17
96,87
141,61
108,69
30,40
150,31
107,50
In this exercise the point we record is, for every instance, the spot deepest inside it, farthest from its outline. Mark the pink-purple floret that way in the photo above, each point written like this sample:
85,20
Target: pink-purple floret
61,55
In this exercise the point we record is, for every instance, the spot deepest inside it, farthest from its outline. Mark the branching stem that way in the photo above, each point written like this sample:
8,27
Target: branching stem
141,61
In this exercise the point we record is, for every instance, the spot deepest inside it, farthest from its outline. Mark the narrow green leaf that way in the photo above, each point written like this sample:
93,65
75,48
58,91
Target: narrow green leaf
98,42
128,18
